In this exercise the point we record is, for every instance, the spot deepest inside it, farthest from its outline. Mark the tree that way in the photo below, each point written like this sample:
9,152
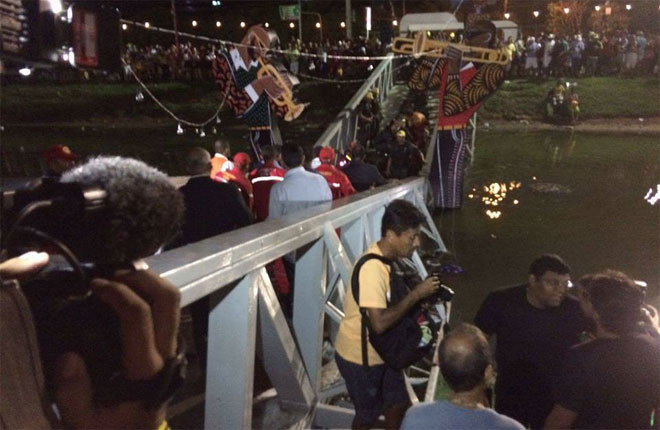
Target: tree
601,22
560,22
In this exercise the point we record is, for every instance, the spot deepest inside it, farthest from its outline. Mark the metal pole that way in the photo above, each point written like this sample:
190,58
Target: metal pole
300,20
349,21
176,27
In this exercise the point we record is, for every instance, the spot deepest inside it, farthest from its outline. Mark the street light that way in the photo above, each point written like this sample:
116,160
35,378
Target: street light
342,24
628,6
266,24
566,10
124,27
318,25
292,25
194,23
147,25
242,24
597,7
395,22
536,13
507,15
218,24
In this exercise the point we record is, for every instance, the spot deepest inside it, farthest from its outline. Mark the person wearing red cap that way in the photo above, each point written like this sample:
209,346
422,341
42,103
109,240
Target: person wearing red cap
263,179
58,159
339,183
238,176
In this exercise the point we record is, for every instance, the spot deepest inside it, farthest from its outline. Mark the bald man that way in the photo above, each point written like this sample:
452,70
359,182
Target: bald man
466,364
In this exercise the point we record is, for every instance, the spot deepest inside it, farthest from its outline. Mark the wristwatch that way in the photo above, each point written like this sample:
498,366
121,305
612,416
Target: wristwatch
154,392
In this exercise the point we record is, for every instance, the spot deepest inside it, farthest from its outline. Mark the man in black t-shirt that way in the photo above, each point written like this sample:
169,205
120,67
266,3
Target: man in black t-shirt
535,324
612,381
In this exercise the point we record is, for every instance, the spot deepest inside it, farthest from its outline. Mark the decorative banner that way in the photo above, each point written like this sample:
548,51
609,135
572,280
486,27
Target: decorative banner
258,90
289,12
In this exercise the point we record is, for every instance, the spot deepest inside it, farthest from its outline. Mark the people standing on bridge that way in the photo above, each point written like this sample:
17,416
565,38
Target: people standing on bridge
405,159
220,161
534,325
212,208
462,89
363,176
238,176
263,178
612,381
375,387
466,365
340,185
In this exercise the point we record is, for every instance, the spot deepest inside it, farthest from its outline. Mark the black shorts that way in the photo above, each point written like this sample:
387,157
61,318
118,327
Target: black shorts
372,389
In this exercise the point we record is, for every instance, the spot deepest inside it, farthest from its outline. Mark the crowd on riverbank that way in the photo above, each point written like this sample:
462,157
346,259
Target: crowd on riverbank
620,52
192,61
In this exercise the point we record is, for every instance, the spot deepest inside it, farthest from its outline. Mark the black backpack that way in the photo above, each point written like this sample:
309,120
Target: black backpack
399,346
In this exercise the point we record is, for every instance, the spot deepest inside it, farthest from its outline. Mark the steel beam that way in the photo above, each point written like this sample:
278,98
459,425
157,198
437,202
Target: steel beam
309,306
231,342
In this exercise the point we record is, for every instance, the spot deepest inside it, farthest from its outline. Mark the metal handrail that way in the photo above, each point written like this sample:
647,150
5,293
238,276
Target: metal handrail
343,129
245,317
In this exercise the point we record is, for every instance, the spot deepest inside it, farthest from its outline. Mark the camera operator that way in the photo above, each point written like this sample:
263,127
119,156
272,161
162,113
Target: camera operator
141,211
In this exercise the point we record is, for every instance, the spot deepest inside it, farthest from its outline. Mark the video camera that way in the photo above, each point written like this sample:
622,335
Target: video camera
64,219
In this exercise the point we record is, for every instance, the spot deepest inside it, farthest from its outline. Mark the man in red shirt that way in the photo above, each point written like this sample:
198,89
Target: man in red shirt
238,176
263,179
339,183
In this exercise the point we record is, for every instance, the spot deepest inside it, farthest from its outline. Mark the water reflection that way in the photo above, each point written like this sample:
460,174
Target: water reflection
653,198
495,195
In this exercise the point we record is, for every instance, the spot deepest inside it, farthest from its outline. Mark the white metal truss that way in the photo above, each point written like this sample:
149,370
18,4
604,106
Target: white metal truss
246,317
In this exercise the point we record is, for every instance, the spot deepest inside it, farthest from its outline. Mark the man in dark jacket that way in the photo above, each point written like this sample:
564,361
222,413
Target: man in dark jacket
362,175
212,208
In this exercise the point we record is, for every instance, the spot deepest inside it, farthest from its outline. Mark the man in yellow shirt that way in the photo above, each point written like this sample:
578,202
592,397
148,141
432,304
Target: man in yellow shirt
378,388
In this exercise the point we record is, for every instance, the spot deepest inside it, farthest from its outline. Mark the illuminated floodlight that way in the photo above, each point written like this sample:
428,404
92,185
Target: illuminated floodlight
318,25
597,7
65,57
536,13
147,25
395,22
69,14
342,24
242,24
72,57
218,24
194,23
368,19
566,10
507,15
124,27
25,71
628,6
292,25
55,6
266,24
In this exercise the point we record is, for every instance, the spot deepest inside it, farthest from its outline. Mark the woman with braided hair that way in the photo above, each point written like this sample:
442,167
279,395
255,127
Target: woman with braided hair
462,89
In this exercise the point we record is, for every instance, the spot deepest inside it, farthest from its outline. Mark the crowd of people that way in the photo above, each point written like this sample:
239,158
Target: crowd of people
192,61
619,52
585,357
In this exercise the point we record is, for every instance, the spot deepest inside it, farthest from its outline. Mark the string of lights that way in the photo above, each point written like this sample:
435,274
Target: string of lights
150,27
139,97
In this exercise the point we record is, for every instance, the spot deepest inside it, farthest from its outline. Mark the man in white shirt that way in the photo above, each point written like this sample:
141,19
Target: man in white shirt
300,189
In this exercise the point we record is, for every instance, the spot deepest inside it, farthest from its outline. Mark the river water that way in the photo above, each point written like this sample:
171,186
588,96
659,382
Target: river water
581,196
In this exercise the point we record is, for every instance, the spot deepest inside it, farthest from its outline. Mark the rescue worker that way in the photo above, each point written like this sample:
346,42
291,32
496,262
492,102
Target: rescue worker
339,183
405,158
238,176
263,179
221,161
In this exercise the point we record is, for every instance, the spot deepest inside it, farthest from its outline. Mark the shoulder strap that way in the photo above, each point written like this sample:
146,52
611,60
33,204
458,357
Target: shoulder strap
355,288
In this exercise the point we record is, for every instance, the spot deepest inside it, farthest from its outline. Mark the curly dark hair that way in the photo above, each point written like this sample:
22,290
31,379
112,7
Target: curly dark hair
144,210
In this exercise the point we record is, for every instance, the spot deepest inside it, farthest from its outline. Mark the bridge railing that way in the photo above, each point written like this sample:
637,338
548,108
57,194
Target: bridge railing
245,316
343,129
